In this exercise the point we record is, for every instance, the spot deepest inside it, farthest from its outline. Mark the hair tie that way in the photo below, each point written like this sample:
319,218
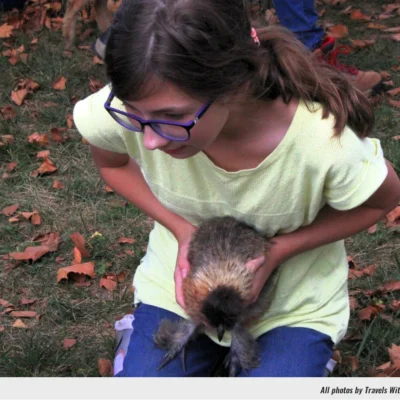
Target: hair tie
254,36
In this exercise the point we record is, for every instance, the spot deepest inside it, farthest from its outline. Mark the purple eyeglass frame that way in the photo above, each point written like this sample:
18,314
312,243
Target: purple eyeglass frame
153,122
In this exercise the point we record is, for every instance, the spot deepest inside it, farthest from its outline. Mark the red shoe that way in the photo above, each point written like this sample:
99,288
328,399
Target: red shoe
368,82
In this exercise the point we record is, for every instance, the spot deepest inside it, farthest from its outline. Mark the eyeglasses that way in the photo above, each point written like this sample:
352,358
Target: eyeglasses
179,132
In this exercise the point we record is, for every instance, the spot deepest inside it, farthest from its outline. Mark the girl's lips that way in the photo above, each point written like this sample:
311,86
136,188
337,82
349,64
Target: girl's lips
174,151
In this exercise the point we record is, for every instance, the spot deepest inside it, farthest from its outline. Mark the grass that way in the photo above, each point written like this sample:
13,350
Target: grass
87,314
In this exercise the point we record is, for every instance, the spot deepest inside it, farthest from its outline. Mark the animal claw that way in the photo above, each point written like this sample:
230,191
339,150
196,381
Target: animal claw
183,358
171,355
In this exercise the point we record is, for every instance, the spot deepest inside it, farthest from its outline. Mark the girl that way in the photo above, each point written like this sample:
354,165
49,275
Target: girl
205,116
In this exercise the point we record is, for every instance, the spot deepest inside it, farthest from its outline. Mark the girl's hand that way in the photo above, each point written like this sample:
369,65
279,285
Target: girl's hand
182,264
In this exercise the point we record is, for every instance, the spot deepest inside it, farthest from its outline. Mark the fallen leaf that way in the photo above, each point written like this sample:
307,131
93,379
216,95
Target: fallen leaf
36,219
46,167
59,259
43,154
19,324
353,303
338,31
358,15
370,270
23,314
85,269
394,354
77,256
58,185
94,85
57,135
108,189
347,10
35,40
18,96
373,25
13,219
41,139
11,166
10,210
68,343
5,303
59,83
385,74
50,240
70,121
391,286
121,276
25,302
395,306
6,31
105,367
7,112
31,253
394,103
79,242
383,366
396,37
393,215
97,60
361,44
395,29
2,328
372,229
130,252
367,312
123,240
108,284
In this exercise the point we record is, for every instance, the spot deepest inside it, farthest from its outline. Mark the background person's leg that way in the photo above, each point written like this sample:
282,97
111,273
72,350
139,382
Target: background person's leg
292,352
300,17
143,356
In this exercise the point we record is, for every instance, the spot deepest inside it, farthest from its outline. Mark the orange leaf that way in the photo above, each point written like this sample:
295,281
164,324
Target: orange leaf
109,284
393,92
27,215
5,303
25,301
391,286
57,185
36,220
372,25
394,103
393,215
395,305
394,354
85,269
126,240
23,314
94,85
372,229
46,167
19,324
353,303
70,121
50,240
18,96
7,112
11,166
59,83
43,154
396,37
97,60
383,366
357,15
77,256
367,312
10,210
108,189
30,253
361,44
370,270
68,343
79,241
6,31
105,367
121,276
338,31
41,139
13,219
57,135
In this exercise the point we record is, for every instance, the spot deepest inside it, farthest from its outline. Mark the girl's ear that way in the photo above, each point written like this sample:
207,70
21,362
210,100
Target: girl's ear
255,264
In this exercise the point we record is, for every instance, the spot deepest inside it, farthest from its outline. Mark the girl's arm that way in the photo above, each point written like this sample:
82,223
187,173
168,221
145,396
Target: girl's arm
123,175
330,226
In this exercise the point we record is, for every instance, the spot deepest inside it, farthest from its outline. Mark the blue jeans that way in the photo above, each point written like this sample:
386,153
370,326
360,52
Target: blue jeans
300,17
284,351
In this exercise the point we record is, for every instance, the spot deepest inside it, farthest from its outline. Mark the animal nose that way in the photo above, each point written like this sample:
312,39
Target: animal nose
220,332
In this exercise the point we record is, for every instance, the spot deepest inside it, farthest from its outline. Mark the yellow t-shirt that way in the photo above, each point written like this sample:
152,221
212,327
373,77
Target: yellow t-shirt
308,169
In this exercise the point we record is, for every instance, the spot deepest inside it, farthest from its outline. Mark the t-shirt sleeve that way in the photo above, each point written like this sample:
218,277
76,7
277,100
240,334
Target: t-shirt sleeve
357,170
96,125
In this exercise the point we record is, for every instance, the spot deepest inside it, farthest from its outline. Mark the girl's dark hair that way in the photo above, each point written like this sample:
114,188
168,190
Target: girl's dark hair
204,47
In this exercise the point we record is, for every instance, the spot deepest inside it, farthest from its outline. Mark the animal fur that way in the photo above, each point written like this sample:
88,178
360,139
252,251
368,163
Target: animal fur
217,292
103,17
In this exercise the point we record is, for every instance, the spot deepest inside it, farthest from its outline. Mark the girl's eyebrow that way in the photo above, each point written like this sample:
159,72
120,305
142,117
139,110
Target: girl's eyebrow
183,109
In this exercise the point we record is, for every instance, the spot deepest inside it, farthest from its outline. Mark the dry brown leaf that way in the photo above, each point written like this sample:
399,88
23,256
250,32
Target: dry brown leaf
37,138
123,240
391,286
367,312
130,252
70,121
7,112
383,366
94,85
46,167
31,253
68,343
396,37
395,306
353,303
109,284
58,185
393,215
19,324
97,60
77,256
79,242
105,367
373,25
372,229
36,219
11,166
10,210
6,31
108,189
5,303
59,83
25,302
358,15
394,354
361,44
57,135
2,328
13,219
393,92
50,240
43,154
18,96
395,29
84,269
23,314
345,11
338,31
121,276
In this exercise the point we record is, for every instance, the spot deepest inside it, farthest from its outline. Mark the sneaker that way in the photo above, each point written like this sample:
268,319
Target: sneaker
368,82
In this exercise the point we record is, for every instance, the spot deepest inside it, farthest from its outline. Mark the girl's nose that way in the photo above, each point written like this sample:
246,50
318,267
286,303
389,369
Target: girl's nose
152,140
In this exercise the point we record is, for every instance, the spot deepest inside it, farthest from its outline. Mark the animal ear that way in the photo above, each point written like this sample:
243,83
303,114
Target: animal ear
255,263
